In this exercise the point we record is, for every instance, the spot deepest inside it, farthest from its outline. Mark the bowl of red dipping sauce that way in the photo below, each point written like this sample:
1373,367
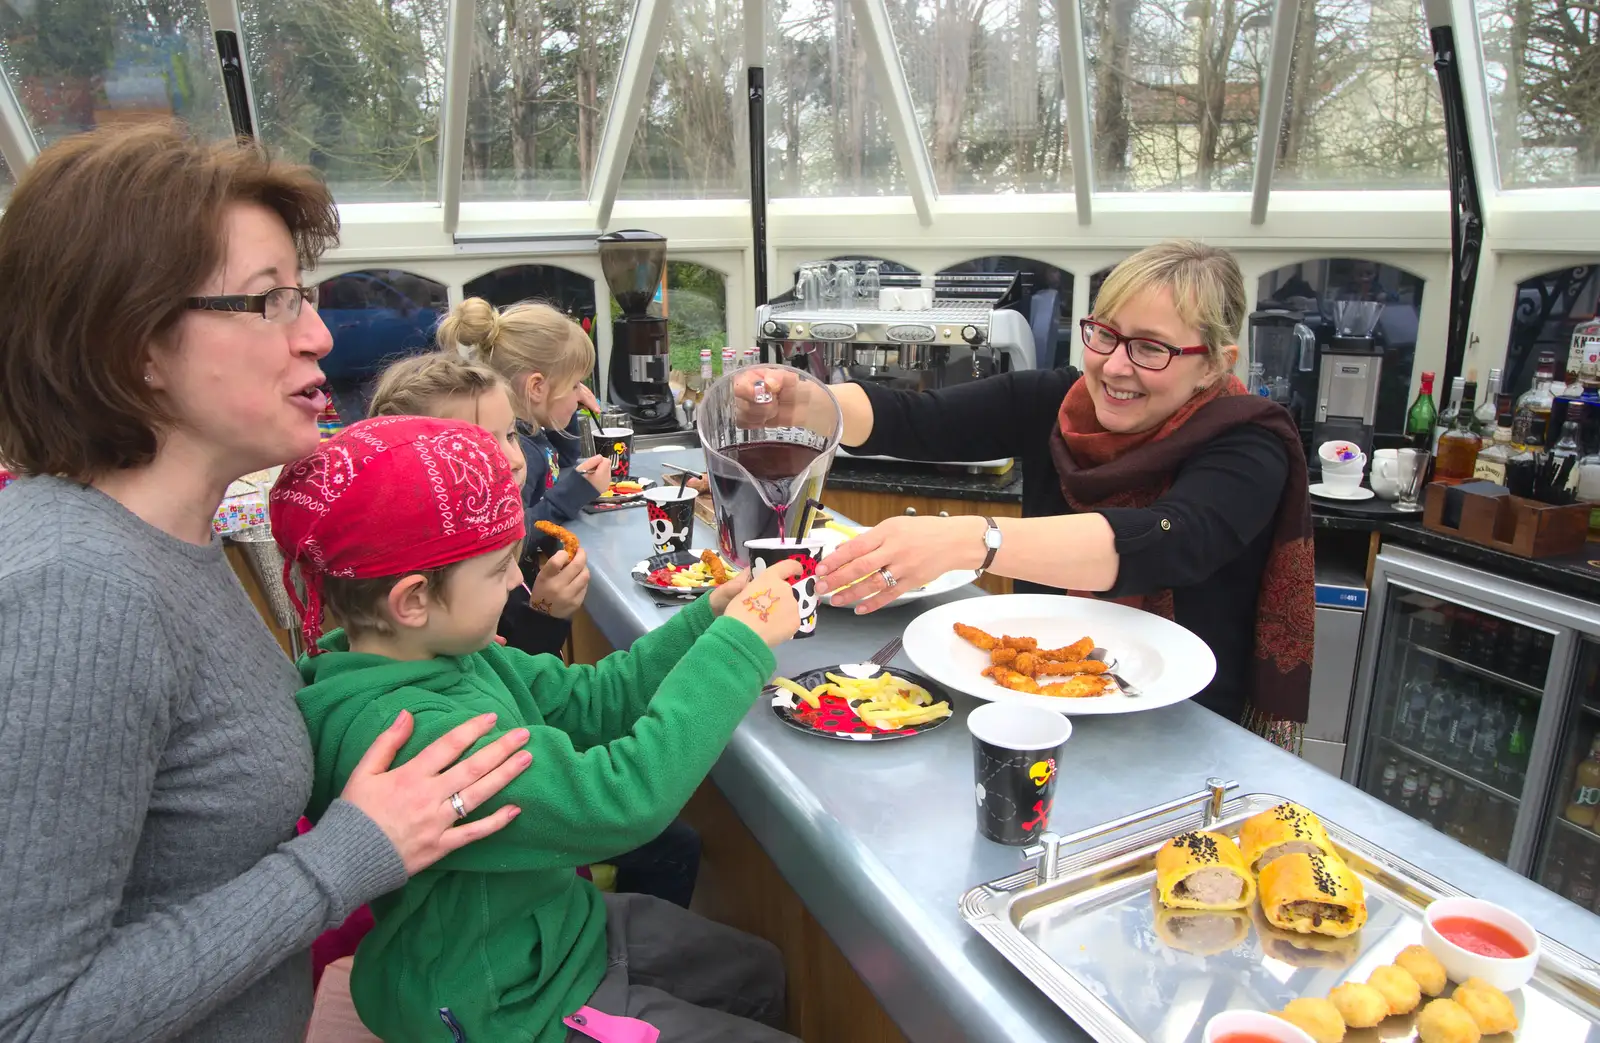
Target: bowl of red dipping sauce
1478,939
1252,1026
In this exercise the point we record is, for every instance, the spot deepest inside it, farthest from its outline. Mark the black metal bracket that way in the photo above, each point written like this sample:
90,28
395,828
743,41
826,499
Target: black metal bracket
231,58
1466,209
758,177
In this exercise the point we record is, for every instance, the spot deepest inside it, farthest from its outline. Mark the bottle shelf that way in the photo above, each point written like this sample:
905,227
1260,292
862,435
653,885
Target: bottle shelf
1472,668
1456,773
1574,828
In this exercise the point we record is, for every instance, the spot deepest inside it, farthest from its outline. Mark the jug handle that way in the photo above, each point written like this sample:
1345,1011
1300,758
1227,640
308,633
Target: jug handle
1308,348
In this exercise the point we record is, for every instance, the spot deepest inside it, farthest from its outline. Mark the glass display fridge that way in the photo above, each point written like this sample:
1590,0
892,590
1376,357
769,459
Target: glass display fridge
1477,711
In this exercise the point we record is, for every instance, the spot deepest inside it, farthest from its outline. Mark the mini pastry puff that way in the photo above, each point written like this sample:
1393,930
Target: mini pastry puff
1203,870
1313,894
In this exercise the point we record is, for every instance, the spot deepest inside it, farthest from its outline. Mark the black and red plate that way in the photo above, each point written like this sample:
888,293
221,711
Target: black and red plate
835,719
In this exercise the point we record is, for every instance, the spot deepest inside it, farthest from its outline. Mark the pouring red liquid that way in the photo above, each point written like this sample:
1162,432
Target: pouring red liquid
1480,937
745,507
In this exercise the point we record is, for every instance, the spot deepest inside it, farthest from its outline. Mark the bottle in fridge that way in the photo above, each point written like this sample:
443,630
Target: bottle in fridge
1583,801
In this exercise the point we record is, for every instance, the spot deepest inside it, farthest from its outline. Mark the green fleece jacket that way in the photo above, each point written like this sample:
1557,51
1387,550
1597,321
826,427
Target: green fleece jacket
503,932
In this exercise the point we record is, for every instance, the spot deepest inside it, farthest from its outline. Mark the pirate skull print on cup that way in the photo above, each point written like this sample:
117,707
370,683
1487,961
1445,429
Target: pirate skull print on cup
767,552
671,517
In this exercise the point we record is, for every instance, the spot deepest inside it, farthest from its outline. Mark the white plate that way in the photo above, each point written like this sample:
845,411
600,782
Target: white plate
1165,662
832,538
1327,492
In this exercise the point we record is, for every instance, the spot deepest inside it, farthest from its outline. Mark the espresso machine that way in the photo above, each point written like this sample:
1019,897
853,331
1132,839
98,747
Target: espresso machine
1349,374
633,261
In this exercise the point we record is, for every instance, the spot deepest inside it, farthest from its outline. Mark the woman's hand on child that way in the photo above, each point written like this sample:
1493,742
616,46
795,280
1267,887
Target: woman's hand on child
411,803
597,472
561,585
766,603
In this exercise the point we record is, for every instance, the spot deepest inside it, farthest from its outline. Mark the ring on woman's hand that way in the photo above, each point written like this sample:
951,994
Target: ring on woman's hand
459,806
888,579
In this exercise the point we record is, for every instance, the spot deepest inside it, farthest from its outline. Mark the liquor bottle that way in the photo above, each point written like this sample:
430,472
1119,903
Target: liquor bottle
1564,456
1532,414
1422,417
1588,488
1483,420
1524,464
1447,419
1458,447
1496,456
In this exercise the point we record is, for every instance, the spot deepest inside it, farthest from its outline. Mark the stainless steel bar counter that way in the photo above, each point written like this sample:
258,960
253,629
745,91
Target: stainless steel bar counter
880,841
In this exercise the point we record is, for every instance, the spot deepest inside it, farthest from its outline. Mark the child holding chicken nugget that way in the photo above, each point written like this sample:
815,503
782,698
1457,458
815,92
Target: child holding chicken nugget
407,529
543,357
444,385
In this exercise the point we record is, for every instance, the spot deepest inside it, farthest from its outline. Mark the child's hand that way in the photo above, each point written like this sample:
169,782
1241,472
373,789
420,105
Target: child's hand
561,585
767,605
723,596
598,474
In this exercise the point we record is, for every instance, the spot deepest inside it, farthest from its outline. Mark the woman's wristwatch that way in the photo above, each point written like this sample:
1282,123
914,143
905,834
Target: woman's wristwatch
991,541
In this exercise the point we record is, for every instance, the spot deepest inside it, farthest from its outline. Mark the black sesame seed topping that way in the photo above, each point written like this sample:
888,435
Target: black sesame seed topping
1324,879
1204,847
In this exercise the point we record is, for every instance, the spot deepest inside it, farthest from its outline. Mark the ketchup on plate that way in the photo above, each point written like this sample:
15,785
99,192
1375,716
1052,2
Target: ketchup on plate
1477,936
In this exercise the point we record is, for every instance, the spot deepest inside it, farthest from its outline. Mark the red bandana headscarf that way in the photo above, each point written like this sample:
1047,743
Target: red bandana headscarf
389,496
1100,468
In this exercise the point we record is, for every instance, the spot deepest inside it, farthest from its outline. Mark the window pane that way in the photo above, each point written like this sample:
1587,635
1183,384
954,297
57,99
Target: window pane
1542,61
690,142
1364,108
826,132
77,64
696,303
7,182
542,77
353,88
986,81
376,317
1175,90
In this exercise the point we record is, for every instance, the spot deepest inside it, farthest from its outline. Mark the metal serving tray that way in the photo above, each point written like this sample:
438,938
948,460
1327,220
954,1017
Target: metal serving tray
1083,927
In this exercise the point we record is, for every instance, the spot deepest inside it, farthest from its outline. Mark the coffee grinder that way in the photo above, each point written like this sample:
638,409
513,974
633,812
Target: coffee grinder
1347,383
633,261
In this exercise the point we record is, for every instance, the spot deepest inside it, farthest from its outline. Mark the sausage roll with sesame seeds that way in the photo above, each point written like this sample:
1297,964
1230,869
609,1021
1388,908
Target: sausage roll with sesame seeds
1203,870
1313,894
1283,830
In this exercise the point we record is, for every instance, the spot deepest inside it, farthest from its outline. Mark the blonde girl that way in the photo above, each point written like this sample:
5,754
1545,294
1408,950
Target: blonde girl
452,388
543,357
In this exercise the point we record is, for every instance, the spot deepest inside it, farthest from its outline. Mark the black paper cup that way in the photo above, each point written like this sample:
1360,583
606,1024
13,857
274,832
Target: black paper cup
765,553
1016,752
671,517
616,445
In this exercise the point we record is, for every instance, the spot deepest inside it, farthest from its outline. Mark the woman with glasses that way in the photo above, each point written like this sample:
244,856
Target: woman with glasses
1150,478
158,344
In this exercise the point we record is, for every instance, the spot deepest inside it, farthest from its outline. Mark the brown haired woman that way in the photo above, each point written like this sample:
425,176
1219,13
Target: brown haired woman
1152,479
158,344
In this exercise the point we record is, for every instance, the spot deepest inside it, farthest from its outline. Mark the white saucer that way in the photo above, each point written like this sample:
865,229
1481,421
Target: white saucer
1360,492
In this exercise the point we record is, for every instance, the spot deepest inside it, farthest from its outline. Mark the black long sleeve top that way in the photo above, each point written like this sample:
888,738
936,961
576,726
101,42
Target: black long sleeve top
1206,539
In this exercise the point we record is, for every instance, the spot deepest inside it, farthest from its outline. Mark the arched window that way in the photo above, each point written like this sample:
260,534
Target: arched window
696,306
376,316
1046,301
1548,307
572,292
1311,287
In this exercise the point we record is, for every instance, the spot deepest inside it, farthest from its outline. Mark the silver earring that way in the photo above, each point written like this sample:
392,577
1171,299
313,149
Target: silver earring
147,378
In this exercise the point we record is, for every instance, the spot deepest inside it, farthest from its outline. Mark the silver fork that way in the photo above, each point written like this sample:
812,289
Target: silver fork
885,655
1100,655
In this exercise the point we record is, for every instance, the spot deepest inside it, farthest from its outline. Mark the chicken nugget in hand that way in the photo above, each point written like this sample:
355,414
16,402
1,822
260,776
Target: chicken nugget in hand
569,542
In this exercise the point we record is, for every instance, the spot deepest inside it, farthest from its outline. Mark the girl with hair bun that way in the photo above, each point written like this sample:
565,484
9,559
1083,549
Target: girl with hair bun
543,356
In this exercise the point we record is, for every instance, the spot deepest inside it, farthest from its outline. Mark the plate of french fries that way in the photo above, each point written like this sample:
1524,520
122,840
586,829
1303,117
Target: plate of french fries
1059,653
859,702
686,573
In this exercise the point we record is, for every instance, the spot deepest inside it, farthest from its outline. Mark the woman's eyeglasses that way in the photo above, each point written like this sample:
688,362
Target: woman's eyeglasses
1142,352
279,304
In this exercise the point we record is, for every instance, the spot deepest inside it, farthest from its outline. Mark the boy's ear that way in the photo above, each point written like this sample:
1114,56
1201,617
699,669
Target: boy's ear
409,601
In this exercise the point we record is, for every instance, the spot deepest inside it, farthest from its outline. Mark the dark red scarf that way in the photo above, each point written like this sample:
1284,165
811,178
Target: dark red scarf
1100,468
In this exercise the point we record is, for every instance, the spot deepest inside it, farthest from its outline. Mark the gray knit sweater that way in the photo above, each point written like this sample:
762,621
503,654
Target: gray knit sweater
152,768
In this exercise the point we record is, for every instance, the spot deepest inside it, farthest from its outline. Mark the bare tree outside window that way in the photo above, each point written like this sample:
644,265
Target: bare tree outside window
1542,63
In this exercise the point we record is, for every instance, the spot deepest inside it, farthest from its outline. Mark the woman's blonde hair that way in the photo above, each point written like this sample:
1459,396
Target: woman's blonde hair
420,385
519,341
1206,285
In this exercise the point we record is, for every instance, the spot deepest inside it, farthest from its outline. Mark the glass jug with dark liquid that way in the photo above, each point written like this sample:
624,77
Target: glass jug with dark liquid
761,476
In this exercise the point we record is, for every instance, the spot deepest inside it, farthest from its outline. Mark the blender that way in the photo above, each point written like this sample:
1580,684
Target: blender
1285,347
763,470
633,261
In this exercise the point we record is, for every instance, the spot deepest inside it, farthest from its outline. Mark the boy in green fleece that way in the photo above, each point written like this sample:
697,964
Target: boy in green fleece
408,530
